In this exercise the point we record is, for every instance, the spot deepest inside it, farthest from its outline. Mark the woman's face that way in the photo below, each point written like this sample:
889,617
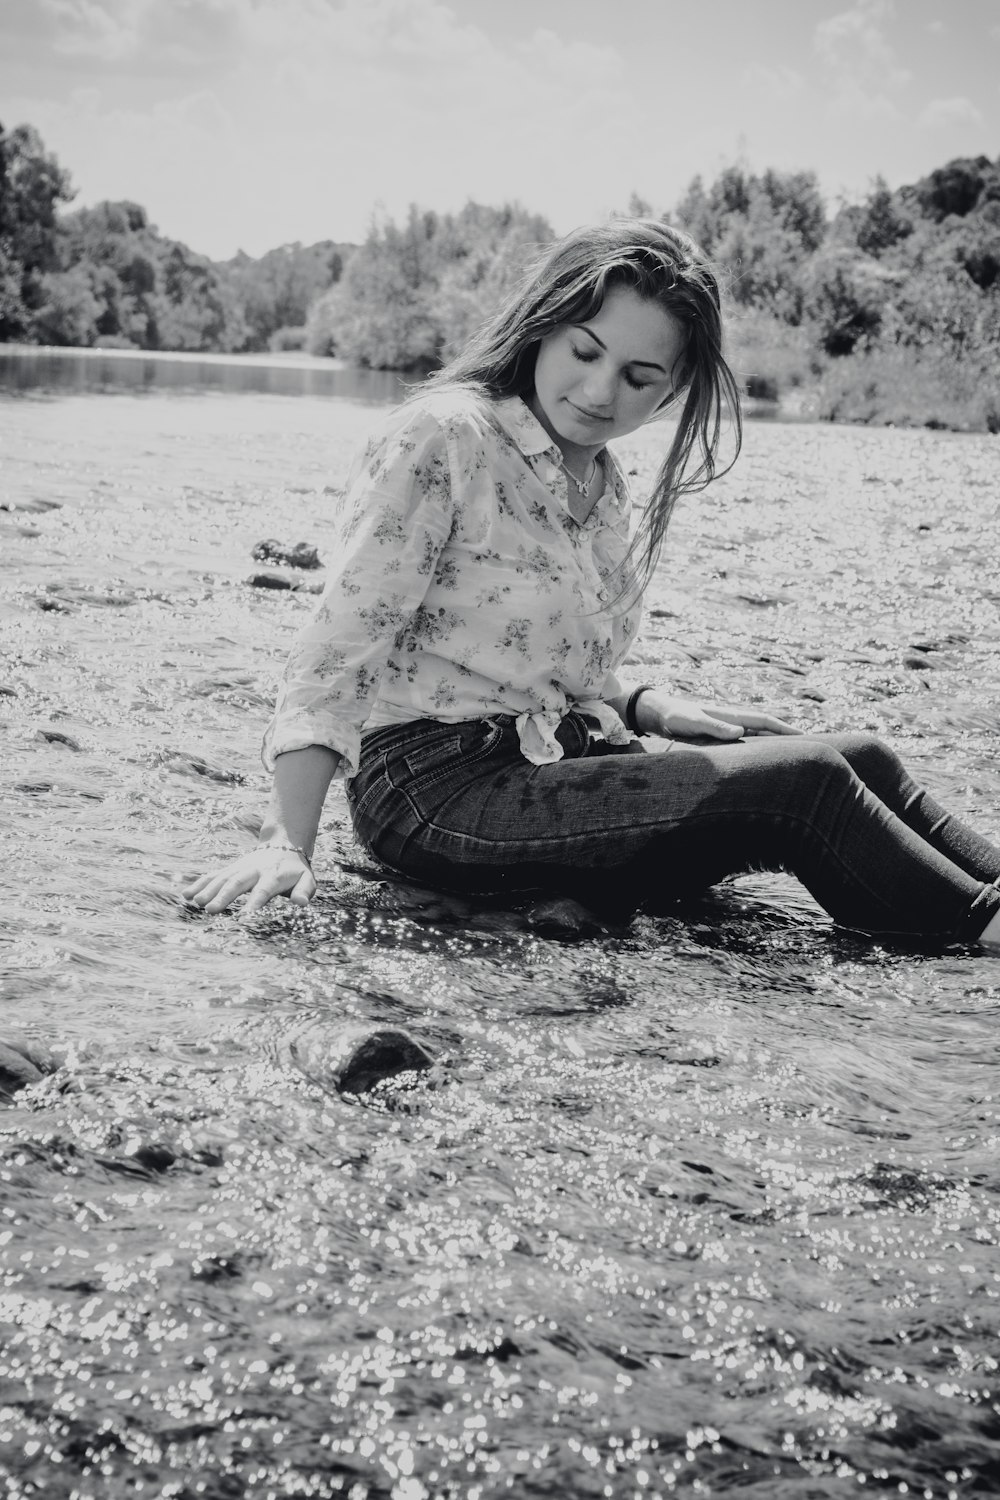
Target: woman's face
606,376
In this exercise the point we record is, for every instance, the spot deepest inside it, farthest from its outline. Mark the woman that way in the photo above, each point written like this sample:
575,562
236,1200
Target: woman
460,671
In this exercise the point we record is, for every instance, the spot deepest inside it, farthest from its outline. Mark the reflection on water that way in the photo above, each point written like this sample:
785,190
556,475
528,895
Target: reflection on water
95,371
706,1204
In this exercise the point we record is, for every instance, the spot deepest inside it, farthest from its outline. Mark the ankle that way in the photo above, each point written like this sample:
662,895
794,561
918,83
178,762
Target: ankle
990,935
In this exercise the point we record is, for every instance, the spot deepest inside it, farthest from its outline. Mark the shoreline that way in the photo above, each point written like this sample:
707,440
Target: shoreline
293,359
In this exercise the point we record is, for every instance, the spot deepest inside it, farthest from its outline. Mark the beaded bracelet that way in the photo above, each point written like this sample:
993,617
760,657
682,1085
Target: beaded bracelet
630,707
293,849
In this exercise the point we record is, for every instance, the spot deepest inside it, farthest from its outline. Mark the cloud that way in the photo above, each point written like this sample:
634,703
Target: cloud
772,82
104,29
945,113
314,112
854,47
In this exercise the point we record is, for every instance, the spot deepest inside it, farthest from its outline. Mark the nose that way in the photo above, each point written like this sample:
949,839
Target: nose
599,385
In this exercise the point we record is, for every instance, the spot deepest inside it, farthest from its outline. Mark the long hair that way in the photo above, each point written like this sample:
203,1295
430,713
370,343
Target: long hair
568,284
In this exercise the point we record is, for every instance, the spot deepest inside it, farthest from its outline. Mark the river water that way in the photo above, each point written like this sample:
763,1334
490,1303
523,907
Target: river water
706,1203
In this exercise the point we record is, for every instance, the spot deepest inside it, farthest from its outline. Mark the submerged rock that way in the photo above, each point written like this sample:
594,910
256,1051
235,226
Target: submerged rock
562,917
194,765
22,1062
155,1156
301,555
356,1059
64,598
57,737
272,581
35,504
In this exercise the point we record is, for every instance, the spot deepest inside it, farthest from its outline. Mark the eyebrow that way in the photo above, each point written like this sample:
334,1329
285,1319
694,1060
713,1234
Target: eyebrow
650,363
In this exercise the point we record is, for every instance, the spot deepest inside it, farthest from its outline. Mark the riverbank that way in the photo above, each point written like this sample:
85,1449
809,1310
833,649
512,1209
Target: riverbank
786,376
783,380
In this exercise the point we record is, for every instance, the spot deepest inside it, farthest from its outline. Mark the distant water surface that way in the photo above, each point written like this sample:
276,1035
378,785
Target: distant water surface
29,369
705,1204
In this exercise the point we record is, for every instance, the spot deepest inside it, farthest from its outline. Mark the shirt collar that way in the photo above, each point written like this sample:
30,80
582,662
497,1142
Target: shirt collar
523,426
517,419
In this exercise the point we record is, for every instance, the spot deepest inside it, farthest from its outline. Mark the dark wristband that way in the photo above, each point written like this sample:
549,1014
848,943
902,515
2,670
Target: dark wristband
630,707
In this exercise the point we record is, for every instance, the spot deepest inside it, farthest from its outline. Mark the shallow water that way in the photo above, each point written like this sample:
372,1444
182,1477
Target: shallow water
703,1204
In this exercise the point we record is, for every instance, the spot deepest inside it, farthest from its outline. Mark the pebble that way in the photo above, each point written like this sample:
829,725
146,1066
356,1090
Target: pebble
301,555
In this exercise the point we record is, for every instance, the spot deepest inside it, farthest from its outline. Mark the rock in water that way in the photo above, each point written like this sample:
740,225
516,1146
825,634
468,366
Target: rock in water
194,765
562,917
356,1059
299,556
22,1062
271,581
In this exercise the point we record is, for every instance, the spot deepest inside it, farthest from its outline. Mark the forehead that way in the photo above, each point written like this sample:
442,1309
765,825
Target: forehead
633,328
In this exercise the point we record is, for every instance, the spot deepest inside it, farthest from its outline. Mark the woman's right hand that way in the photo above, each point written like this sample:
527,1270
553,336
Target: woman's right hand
265,872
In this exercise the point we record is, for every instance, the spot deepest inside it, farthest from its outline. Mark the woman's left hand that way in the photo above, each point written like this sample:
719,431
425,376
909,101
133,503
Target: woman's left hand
683,719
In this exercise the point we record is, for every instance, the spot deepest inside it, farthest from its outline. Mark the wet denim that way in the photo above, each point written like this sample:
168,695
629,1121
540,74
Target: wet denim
458,807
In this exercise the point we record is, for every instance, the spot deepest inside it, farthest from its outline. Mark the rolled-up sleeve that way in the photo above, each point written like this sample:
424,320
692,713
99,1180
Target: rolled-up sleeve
397,517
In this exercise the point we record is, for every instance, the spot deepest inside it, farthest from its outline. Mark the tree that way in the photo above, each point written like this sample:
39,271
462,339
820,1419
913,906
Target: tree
762,230
846,295
411,295
277,290
32,183
151,292
881,222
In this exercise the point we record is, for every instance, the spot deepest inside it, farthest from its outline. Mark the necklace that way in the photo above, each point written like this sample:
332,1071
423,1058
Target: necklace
583,485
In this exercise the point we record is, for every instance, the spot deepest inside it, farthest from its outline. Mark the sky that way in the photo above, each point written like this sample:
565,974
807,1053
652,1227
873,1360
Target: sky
246,124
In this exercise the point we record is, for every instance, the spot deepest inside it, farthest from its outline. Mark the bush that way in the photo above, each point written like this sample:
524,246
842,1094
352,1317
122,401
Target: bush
906,387
411,295
284,340
845,296
770,358
70,308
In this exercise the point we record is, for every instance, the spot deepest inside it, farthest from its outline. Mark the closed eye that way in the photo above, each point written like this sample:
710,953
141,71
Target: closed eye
587,357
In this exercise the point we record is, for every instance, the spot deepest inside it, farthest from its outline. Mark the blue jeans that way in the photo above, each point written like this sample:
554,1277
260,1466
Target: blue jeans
458,807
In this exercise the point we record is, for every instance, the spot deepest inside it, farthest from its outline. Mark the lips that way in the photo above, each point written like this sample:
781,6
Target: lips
588,416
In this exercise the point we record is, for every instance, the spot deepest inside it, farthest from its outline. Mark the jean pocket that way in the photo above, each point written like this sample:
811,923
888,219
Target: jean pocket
448,752
428,754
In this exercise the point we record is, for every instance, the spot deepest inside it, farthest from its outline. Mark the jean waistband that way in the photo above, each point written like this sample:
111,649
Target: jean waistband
572,733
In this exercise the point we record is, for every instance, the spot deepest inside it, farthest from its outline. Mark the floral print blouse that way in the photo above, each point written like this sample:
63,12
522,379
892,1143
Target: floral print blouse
462,588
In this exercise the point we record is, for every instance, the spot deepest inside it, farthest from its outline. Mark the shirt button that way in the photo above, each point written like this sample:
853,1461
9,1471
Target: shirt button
602,594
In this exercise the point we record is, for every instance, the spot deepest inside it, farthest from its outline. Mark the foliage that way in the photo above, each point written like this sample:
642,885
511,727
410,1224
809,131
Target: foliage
900,290
846,294
32,184
276,291
762,230
889,311
411,295
119,283
769,356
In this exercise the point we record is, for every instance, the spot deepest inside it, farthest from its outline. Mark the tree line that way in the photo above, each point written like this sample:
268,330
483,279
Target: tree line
888,307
